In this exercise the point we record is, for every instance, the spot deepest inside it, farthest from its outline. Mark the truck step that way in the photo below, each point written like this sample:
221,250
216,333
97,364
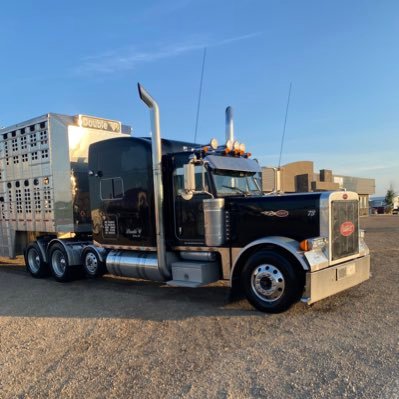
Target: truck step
194,274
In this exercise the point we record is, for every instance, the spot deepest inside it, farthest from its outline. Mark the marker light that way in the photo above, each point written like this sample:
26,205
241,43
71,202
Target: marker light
236,145
312,243
242,148
229,145
214,144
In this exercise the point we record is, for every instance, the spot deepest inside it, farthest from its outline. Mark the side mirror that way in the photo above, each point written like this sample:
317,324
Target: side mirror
189,181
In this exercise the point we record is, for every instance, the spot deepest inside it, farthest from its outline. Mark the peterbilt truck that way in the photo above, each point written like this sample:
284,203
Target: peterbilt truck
170,211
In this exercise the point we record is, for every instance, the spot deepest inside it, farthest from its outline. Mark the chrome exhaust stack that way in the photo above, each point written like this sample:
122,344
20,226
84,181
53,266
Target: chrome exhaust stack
229,124
157,177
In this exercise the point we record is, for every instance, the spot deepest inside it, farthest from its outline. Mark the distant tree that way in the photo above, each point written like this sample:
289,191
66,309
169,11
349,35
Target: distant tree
389,196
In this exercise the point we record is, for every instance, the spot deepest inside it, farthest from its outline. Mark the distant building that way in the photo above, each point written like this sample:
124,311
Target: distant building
300,177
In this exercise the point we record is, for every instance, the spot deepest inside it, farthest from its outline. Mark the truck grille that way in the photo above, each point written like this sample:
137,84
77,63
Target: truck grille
345,229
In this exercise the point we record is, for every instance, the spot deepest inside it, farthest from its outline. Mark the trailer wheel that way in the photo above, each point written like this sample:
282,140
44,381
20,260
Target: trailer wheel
59,263
34,261
92,264
270,282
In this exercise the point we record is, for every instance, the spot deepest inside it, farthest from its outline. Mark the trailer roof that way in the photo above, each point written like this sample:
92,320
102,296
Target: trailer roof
67,119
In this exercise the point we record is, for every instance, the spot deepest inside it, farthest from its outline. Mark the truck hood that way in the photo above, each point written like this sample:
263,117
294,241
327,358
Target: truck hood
295,216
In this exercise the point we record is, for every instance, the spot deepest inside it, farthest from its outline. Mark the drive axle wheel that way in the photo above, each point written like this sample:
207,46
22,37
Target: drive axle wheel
270,282
92,264
34,261
59,263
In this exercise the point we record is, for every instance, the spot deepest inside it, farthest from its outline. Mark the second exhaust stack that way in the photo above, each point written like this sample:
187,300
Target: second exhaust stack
229,124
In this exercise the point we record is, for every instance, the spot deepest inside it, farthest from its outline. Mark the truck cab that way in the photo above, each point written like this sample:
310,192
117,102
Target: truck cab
213,222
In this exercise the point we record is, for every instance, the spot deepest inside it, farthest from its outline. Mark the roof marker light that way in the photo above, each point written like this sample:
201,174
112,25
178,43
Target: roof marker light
214,144
229,145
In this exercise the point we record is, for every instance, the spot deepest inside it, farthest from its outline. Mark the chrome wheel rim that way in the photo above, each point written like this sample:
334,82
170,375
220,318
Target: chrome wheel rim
91,263
58,263
268,283
34,260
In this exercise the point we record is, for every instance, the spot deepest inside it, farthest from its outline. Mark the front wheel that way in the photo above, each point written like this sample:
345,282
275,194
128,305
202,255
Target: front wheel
270,282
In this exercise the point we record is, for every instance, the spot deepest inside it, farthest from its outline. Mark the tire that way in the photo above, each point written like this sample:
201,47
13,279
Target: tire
270,282
34,261
59,264
92,265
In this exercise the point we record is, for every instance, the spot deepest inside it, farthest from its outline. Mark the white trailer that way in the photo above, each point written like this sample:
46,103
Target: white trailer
43,177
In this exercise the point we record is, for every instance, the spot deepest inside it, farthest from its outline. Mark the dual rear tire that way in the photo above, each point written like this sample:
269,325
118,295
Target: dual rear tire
34,261
58,263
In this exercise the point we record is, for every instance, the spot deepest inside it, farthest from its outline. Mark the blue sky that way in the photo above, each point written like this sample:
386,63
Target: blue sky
342,58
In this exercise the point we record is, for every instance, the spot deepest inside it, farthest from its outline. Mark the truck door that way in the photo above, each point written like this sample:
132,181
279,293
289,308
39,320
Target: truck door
189,214
121,193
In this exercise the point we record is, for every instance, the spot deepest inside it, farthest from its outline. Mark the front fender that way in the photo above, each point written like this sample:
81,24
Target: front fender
285,243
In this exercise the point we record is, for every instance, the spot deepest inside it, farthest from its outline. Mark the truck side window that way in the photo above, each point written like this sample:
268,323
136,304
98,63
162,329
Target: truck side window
111,189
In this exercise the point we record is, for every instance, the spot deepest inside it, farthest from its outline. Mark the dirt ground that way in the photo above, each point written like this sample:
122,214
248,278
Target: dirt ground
114,338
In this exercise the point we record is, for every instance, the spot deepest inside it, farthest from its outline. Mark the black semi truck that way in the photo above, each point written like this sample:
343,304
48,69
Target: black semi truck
189,215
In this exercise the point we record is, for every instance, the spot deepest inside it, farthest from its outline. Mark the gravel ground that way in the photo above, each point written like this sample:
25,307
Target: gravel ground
115,338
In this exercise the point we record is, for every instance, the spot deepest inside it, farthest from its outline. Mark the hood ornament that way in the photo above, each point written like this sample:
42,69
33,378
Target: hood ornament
282,213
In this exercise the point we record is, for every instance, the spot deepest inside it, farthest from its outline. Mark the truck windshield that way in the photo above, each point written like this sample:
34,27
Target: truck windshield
236,183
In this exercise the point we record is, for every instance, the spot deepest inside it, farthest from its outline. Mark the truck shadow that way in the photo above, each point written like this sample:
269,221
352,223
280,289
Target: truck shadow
121,298
111,297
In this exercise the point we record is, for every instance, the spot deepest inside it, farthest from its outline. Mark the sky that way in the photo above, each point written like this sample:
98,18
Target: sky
342,58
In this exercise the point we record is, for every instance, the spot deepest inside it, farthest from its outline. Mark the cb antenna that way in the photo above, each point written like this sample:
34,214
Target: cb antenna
285,124
199,95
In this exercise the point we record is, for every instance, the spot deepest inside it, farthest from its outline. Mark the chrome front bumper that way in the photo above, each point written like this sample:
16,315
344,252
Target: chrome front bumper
326,282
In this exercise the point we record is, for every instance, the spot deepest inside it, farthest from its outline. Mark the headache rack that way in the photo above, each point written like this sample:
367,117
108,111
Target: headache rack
43,176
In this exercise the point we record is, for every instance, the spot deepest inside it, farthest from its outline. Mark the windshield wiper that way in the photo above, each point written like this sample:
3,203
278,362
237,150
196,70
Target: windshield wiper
237,189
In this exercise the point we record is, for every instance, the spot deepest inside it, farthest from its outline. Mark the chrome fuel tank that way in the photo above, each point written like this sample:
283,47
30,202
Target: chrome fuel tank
142,265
